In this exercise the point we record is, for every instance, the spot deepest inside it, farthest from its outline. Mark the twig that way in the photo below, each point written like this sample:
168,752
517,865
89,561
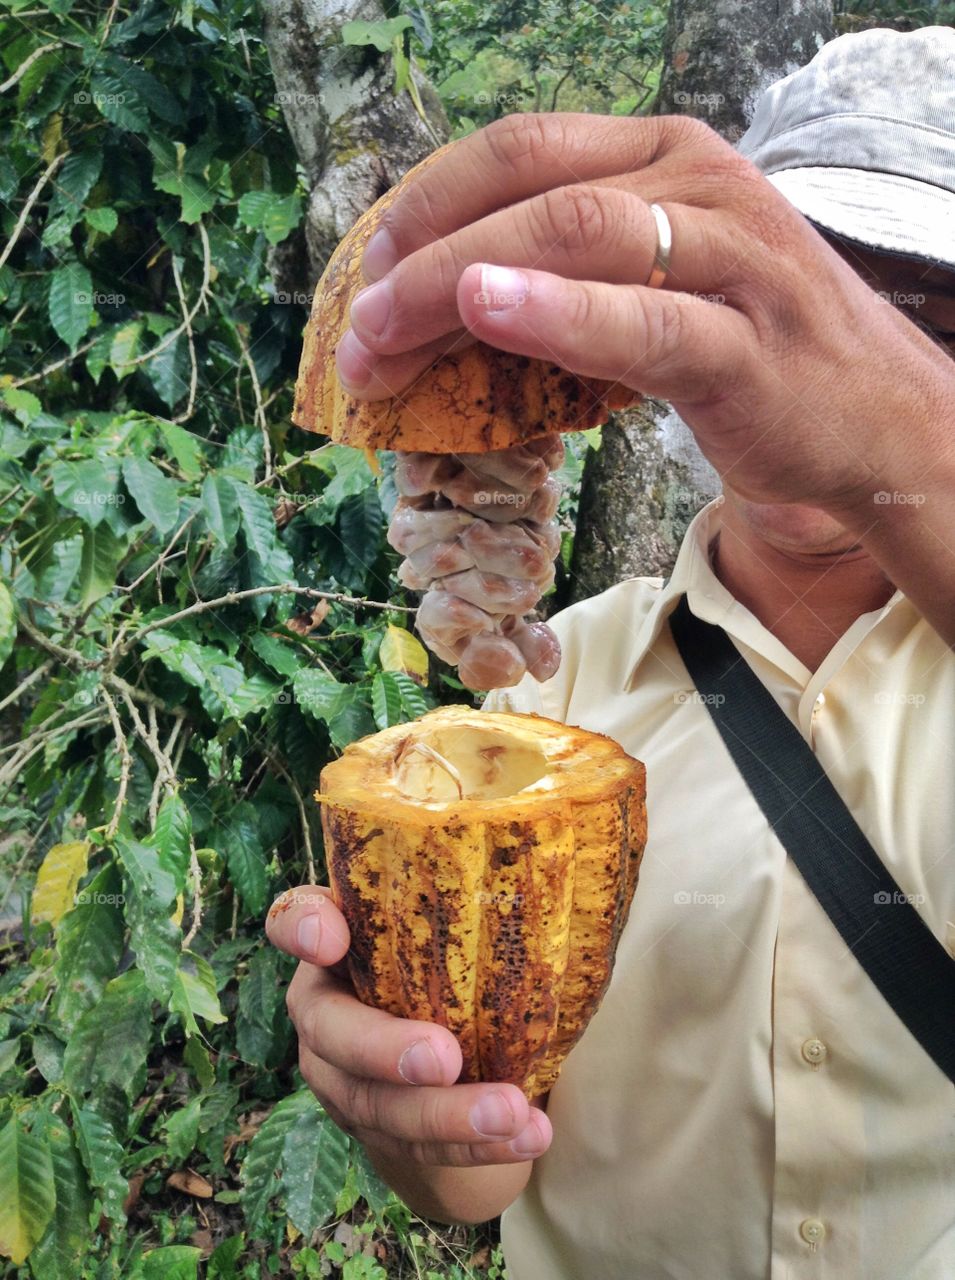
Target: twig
37,741
196,872
290,466
70,656
31,200
27,63
260,419
173,334
122,744
193,364
163,768
303,815
163,555
233,597
37,674
57,364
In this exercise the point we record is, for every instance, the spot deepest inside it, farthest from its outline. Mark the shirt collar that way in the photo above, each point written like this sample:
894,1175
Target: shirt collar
710,600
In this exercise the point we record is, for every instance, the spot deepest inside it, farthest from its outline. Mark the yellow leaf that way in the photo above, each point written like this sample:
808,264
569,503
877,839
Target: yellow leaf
401,651
56,881
371,457
176,916
52,136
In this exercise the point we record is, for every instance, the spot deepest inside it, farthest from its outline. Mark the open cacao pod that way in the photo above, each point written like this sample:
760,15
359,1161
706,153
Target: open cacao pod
473,400
485,863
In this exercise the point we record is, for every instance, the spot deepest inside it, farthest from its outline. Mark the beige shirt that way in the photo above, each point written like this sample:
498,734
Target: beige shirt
745,1105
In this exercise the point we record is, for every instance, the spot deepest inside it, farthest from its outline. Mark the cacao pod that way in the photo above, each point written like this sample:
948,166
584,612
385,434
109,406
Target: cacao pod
485,863
470,401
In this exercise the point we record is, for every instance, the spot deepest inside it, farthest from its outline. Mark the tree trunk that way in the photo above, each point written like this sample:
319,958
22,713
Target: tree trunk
648,479
354,136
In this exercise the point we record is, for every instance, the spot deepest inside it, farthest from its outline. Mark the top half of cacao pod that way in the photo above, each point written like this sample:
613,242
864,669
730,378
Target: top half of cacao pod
485,863
471,401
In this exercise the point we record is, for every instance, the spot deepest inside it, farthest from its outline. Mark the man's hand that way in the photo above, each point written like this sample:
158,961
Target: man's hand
388,1081
535,235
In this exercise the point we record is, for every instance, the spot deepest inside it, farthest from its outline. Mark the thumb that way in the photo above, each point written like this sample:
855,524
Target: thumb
304,922
677,346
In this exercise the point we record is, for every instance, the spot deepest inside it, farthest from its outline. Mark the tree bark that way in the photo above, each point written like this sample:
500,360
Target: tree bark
648,479
354,136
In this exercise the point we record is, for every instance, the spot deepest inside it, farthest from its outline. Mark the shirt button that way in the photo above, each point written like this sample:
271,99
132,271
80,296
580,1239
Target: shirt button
819,703
814,1051
812,1231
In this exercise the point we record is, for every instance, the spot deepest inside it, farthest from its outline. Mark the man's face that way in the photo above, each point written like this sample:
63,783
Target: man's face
925,294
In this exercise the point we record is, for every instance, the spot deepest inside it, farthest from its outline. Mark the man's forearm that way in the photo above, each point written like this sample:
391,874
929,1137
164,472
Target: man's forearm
451,1195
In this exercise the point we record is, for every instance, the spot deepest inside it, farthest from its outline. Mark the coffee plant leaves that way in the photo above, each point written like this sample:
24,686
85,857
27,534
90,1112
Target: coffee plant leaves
27,1189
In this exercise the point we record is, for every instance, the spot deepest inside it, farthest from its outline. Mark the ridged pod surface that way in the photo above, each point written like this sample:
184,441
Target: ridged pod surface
471,401
485,863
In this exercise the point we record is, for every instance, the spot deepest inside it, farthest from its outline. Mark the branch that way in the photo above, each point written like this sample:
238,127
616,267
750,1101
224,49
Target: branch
233,597
173,334
25,66
196,872
36,674
122,744
303,815
193,364
32,198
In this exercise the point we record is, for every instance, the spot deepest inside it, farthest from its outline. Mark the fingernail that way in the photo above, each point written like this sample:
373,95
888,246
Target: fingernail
354,362
493,1116
380,255
530,1141
372,307
309,935
419,1064
502,289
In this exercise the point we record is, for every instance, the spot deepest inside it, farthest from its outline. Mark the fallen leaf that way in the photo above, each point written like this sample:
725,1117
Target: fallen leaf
193,1184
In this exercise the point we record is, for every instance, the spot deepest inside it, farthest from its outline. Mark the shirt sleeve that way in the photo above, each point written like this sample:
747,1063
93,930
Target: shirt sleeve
525,697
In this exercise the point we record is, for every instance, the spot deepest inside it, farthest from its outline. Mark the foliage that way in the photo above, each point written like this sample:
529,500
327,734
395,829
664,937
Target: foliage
199,596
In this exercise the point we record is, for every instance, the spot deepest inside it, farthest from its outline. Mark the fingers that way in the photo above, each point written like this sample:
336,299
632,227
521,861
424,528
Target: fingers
664,344
464,1125
333,1024
368,376
511,160
304,922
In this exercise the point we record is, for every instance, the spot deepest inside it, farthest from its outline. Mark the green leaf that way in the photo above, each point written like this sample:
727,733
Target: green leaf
262,1167
147,874
260,1021
318,693
154,936
277,216
168,372
115,100
102,1156
173,1262
102,553
62,569
48,1056
124,347
27,1192
223,686
220,508
68,1230
171,838
385,700
276,653
154,493
74,182
25,404
195,1055
314,1163
71,302
194,992
224,1258
414,702
103,219
182,1130
379,34
184,447
349,471
89,945
241,846
110,1041
8,623
87,487
180,172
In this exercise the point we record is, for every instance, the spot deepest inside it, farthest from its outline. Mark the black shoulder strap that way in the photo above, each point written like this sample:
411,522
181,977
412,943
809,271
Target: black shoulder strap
879,924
